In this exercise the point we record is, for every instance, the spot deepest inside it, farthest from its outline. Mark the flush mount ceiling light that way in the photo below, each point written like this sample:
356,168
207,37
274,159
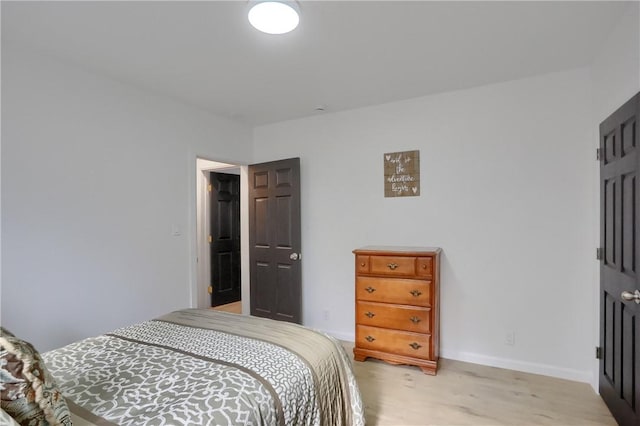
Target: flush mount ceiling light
274,16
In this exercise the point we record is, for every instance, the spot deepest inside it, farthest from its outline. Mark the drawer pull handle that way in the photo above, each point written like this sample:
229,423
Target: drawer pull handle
362,264
370,314
370,289
415,293
424,266
392,266
415,320
370,339
415,346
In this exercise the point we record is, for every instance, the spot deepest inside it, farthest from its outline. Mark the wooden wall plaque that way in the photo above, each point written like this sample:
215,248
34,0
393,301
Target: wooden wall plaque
402,174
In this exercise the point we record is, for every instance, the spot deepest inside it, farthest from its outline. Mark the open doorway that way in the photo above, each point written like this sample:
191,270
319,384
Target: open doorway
270,270
218,230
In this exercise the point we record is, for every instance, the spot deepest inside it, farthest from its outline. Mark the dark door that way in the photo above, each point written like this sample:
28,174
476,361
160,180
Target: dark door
274,240
225,238
619,289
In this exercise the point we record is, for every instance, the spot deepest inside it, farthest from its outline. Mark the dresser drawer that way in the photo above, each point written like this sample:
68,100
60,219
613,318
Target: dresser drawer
393,265
362,264
398,342
399,317
424,267
394,290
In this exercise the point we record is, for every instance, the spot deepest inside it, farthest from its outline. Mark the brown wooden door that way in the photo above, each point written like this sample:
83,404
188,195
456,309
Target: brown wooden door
619,229
225,238
274,240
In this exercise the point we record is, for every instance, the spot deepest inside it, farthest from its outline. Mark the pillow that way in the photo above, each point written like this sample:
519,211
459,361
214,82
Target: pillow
28,393
6,419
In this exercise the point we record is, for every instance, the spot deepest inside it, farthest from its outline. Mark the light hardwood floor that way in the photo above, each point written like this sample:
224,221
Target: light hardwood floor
471,394
235,307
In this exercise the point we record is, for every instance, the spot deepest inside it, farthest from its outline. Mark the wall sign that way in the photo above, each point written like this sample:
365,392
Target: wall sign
402,174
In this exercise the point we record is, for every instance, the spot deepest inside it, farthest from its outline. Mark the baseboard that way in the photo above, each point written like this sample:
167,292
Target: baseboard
595,377
509,364
527,367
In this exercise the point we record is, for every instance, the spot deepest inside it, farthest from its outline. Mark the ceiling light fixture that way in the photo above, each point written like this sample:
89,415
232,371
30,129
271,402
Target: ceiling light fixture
274,16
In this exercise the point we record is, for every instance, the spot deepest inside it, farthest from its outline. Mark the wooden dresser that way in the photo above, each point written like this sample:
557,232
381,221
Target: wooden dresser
397,305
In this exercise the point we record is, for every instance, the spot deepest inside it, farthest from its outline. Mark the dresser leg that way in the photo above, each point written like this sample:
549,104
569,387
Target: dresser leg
428,370
358,357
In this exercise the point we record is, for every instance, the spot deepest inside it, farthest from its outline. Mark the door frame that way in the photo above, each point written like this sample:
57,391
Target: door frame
200,264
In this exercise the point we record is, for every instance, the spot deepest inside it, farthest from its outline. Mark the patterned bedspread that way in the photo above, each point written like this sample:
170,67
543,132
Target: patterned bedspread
204,367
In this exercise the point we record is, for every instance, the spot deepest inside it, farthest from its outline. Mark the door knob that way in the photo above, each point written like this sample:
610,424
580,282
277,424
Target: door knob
295,256
628,296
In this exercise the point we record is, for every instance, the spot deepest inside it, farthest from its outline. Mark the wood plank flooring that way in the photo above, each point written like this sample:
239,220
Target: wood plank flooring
471,394
235,307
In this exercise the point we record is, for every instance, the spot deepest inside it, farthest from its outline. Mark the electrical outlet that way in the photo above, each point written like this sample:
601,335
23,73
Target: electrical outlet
325,314
510,338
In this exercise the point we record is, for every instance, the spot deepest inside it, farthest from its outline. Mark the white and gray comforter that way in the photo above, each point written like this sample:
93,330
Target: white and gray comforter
203,367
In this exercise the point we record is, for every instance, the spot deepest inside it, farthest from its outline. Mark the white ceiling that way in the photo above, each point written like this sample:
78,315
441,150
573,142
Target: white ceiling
344,54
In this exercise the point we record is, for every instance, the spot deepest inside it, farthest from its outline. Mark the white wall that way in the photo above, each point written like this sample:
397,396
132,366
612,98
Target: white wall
615,75
506,192
94,176
616,69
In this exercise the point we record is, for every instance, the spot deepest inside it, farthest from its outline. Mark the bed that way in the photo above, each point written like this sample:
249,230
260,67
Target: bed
204,367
